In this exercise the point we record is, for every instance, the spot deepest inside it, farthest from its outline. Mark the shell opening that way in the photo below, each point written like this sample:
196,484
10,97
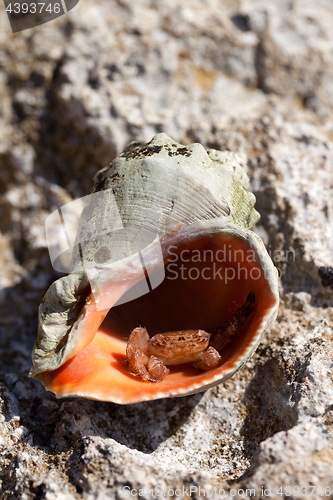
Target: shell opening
207,279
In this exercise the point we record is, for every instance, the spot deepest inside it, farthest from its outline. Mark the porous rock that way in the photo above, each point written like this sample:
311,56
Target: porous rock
239,76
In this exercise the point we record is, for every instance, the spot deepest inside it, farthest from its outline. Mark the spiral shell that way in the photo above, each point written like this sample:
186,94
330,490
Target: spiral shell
181,210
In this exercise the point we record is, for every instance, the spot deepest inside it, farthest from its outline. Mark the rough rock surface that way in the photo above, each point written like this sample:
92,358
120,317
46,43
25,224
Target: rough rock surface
247,76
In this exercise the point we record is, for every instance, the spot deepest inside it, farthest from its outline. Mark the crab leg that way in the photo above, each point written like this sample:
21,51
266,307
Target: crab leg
221,335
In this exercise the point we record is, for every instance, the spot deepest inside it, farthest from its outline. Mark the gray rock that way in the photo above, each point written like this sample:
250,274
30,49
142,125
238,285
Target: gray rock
248,77
283,463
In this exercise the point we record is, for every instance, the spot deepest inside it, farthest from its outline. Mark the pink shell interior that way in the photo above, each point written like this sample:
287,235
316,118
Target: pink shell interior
99,371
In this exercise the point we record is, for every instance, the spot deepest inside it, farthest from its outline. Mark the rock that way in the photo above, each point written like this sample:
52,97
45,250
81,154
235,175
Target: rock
293,454
240,76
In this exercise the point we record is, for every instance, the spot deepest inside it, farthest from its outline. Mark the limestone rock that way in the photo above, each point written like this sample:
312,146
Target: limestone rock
243,76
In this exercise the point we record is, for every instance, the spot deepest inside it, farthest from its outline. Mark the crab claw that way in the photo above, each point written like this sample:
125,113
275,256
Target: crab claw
138,361
136,358
210,360
157,370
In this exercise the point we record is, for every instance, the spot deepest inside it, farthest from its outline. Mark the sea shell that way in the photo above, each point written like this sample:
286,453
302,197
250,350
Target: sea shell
193,206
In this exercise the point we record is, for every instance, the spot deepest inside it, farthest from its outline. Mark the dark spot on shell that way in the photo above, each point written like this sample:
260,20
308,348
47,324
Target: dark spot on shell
135,150
100,181
183,151
326,275
131,147
153,150
102,255
180,151
115,176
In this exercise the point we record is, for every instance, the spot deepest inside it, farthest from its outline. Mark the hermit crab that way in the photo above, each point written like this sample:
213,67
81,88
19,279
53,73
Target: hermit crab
170,290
